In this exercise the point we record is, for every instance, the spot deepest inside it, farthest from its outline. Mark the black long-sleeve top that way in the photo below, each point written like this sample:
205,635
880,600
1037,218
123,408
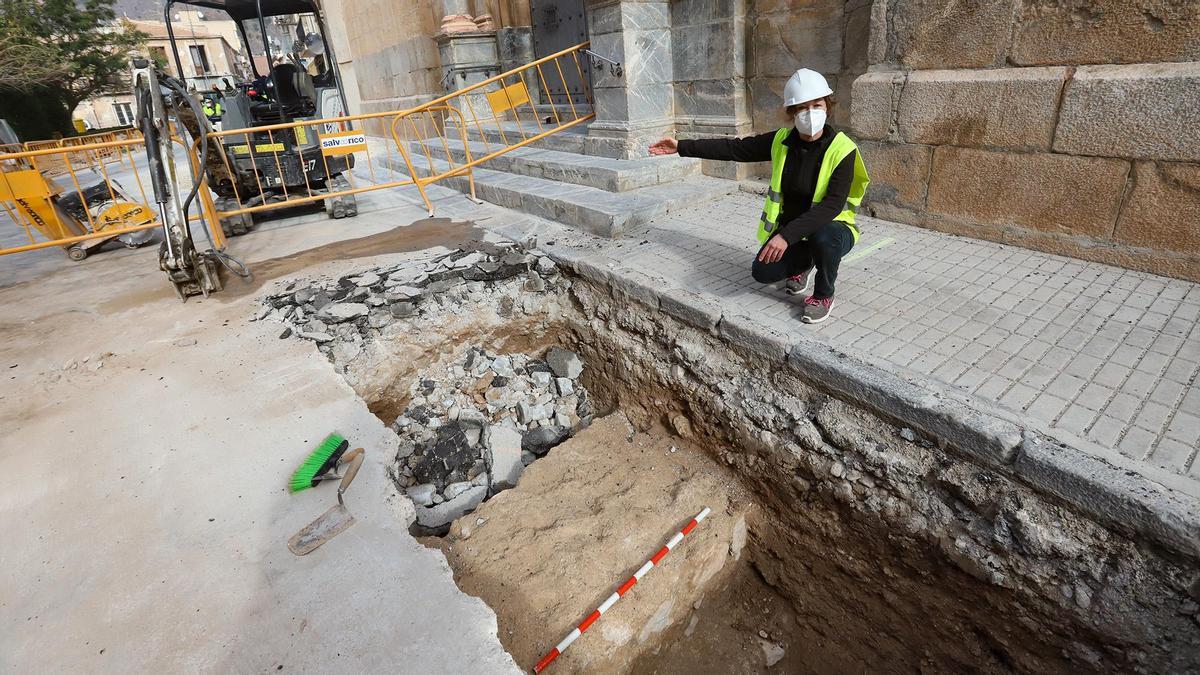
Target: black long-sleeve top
800,217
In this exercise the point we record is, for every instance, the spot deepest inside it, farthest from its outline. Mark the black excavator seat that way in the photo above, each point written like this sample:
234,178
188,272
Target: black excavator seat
295,92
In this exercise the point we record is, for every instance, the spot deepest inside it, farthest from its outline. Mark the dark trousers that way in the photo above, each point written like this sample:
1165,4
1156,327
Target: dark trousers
823,249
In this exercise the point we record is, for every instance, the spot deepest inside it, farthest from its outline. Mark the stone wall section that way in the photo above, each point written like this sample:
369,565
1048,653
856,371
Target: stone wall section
1062,126
637,107
732,58
396,62
828,36
709,39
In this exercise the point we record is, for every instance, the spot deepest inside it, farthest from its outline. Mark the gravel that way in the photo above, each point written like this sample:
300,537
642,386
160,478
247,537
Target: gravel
473,424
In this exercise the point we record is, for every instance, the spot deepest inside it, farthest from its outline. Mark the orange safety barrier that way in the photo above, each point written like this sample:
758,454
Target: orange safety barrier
79,195
62,193
320,168
54,165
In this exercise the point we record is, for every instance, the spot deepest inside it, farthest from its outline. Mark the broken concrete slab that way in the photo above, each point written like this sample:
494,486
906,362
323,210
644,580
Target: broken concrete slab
541,440
564,363
443,514
343,311
504,457
564,386
422,495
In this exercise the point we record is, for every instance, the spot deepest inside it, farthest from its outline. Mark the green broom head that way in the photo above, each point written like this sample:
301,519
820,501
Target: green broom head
321,460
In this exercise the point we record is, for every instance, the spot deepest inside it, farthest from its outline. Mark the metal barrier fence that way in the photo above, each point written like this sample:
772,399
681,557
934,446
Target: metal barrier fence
288,164
54,165
80,195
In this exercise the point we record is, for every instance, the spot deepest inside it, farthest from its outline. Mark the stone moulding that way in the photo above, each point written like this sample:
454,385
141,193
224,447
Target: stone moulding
458,23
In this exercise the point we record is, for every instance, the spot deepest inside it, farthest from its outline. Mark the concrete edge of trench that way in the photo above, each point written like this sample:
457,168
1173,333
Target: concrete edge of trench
1096,481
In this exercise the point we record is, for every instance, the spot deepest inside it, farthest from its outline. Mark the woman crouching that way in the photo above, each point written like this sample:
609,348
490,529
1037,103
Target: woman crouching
818,180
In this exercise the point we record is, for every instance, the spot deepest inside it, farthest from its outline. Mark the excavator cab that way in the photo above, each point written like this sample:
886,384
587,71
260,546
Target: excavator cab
295,79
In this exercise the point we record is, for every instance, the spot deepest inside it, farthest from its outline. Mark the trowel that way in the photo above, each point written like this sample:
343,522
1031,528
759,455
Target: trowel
334,521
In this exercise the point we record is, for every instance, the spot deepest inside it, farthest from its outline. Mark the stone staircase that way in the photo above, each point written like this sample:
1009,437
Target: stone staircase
552,178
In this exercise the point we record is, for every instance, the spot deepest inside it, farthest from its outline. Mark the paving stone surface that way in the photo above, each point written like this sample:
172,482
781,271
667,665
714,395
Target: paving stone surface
1099,352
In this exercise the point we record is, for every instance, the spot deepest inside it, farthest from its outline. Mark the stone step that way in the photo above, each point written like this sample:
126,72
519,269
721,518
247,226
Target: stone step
570,139
564,110
607,214
612,175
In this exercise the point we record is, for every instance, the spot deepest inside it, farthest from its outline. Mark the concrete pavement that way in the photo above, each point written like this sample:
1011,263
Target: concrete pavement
147,444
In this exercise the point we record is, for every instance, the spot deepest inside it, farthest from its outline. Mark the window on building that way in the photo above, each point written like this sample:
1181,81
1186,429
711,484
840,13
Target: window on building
159,56
124,113
199,59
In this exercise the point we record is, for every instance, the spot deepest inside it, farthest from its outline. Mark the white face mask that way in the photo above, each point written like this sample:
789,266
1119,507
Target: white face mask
810,122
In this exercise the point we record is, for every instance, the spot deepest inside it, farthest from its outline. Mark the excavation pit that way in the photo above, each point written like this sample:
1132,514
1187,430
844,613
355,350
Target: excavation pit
872,545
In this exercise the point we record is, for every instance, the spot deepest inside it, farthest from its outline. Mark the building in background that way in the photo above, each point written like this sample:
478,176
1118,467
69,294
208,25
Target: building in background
205,52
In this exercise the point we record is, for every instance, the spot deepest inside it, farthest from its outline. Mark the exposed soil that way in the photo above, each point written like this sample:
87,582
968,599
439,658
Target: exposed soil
418,236
544,555
581,521
729,627
852,545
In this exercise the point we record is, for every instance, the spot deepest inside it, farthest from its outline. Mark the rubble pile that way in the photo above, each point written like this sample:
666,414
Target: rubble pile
472,427
468,429
339,315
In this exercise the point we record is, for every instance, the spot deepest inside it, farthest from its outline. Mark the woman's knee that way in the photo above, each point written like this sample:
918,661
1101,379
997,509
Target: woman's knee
765,273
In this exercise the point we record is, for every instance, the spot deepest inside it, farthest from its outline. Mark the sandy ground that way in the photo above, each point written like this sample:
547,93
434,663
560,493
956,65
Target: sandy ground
581,521
747,627
147,443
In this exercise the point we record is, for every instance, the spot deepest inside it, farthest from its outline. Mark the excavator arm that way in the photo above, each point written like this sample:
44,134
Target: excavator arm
157,97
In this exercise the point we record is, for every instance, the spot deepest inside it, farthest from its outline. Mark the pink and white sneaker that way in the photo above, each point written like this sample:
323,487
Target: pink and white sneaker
797,284
816,309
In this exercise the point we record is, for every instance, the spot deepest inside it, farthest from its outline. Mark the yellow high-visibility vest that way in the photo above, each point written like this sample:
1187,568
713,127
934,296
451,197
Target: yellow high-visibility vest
834,154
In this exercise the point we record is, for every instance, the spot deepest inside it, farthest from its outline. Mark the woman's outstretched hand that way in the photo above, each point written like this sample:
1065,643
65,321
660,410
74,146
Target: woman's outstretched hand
667,146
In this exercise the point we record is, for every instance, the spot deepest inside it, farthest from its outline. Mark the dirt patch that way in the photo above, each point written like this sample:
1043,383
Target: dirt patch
582,520
747,627
418,236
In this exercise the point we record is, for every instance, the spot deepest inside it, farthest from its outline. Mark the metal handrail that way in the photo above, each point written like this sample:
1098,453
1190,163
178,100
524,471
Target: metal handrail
614,67
443,105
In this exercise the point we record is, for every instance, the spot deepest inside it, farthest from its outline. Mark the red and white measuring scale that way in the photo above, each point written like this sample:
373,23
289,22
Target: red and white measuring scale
612,599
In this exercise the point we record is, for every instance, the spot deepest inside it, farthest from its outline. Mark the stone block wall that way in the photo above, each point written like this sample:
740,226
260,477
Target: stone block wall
828,36
731,59
1058,125
708,39
396,62
709,56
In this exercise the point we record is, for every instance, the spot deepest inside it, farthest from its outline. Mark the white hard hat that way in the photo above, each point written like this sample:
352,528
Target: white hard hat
805,85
